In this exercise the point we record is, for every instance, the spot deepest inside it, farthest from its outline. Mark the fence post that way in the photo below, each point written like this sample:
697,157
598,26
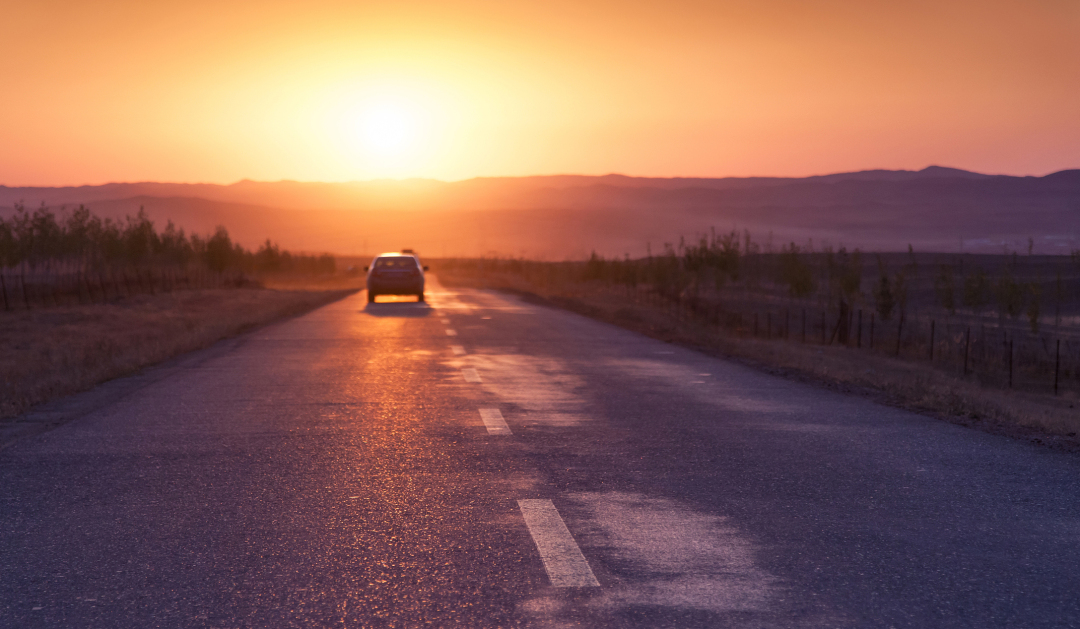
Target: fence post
804,325
22,285
1057,365
3,285
858,334
755,325
787,324
823,327
871,330
768,325
931,340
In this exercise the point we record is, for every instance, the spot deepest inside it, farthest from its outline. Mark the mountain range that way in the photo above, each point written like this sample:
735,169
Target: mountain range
569,216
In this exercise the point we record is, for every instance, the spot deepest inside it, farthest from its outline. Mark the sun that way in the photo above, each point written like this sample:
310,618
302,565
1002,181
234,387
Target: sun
386,129
389,129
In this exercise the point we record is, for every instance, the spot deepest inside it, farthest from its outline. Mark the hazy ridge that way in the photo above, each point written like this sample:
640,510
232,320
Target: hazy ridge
565,216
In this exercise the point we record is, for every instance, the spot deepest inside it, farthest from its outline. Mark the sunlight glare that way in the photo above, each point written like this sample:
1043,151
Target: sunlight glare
388,129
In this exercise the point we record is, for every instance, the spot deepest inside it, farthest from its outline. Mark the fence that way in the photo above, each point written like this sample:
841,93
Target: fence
996,353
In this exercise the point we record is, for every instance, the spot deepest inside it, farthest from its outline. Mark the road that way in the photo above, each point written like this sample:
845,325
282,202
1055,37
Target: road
481,462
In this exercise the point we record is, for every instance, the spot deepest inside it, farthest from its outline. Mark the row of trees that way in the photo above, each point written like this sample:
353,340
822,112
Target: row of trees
1009,296
43,240
839,279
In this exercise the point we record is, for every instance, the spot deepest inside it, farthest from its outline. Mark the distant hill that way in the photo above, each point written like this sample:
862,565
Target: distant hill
570,215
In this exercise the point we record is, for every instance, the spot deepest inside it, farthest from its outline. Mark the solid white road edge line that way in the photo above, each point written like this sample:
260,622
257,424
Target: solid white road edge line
458,350
494,421
565,565
470,375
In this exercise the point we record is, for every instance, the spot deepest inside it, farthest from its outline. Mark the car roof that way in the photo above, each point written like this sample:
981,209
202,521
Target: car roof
396,255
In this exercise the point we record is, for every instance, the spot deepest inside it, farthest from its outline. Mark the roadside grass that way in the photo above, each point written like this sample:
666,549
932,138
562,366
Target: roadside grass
308,282
53,352
913,385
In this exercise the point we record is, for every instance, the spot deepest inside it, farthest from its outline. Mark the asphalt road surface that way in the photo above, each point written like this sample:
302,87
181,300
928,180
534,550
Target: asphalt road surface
480,462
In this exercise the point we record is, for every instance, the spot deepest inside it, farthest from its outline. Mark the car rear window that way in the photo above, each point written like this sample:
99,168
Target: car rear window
404,262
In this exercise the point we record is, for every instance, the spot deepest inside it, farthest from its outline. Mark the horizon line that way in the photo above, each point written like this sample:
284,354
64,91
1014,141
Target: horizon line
533,176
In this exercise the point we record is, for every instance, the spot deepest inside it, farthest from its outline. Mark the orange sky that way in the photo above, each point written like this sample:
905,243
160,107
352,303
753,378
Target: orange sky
214,91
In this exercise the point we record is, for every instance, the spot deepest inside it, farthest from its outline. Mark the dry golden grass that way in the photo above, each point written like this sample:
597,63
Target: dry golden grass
915,385
52,352
337,281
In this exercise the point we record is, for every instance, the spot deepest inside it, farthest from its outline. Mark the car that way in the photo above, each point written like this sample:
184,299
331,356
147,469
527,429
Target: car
395,274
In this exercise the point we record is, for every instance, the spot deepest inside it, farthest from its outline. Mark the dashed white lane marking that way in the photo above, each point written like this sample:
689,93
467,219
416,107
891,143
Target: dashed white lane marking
470,375
565,565
445,321
458,350
494,421
451,333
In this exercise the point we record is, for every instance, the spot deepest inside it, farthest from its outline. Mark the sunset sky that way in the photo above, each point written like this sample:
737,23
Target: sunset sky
214,91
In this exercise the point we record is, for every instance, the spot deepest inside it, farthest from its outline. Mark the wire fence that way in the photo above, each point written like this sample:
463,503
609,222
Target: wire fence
993,352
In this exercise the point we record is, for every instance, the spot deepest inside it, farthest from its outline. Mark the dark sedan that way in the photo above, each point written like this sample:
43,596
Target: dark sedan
395,274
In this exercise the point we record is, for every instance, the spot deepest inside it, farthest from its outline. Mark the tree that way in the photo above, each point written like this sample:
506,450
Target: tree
795,272
1010,297
219,250
139,238
1034,290
849,274
1059,296
8,256
884,297
945,288
594,268
45,237
268,257
912,266
900,292
976,290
